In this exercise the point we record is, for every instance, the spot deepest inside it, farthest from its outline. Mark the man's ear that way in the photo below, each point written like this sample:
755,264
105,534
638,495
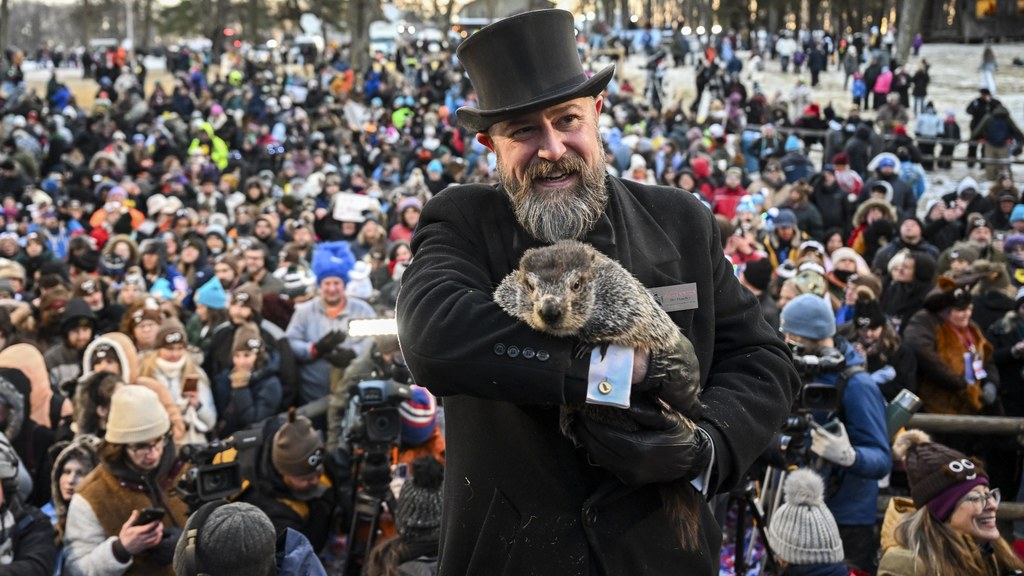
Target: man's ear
598,104
485,139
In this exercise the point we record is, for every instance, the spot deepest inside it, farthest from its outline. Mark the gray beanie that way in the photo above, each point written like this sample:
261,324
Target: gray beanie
236,539
803,531
418,515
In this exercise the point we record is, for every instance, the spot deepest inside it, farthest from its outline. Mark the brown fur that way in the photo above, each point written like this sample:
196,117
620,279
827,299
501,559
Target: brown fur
569,289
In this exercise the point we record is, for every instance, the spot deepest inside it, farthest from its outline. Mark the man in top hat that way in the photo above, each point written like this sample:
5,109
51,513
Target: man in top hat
520,497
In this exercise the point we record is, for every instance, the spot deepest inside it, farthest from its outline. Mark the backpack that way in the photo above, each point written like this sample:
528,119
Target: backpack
799,57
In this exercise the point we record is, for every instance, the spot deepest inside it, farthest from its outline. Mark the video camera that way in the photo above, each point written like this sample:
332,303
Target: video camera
813,397
205,481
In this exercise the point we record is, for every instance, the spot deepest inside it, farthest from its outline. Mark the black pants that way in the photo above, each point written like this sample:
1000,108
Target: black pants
860,547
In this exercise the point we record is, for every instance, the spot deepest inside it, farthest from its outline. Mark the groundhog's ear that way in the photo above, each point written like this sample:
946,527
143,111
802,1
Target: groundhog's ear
945,283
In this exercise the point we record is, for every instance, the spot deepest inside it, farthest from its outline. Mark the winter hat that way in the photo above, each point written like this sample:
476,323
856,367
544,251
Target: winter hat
786,219
77,314
841,159
249,294
963,251
867,313
845,253
147,313
136,415
87,286
803,530
247,338
333,259
171,332
298,449
809,316
976,220
758,273
792,143
419,416
1018,213
11,270
418,514
212,295
87,261
236,539
938,475
967,187
1012,242
949,293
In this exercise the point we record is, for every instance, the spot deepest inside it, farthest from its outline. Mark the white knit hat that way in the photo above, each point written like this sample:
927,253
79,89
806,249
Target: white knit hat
136,415
803,531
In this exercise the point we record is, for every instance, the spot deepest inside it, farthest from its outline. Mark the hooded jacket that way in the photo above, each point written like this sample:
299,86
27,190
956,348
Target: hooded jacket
83,449
30,440
125,350
62,361
216,148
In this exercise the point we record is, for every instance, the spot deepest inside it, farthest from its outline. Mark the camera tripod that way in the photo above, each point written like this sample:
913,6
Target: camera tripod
372,492
747,498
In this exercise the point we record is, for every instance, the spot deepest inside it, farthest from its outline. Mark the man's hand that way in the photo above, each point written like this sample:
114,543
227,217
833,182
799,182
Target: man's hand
328,342
832,446
674,377
136,539
666,447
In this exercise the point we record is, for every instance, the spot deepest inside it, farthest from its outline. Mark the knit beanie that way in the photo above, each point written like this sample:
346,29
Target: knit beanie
418,514
867,313
146,313
298,449
809,316
249,294
236,539
758,273
976,220
171,332
802,530
419,416
332,260
212,295
1018,213
938,475
136,415
247,338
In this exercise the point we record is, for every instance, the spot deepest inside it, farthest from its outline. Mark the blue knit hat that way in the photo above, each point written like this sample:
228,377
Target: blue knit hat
419,416
332,259
212,295
809,316
792,143
1018,213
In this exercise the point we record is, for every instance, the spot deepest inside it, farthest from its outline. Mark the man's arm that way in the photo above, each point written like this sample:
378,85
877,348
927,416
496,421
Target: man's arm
864,418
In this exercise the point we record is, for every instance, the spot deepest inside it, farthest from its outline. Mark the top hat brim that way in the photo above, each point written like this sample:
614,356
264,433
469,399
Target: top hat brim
480,120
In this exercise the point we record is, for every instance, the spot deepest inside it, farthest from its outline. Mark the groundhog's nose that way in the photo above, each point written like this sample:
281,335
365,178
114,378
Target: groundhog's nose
550,312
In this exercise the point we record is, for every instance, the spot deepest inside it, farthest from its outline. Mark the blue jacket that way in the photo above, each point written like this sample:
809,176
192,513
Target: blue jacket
854,499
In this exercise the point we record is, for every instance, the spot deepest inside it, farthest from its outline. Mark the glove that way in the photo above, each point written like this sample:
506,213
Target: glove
665,448
989,393
832,446
239,378
163,553
328,342
340,358
674,377
883,375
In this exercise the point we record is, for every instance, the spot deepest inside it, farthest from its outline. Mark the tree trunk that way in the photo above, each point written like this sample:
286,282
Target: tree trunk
359,15
5,20
624,14
910,25
252,28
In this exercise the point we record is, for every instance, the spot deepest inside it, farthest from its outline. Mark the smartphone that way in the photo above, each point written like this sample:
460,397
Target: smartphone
149,515
191,384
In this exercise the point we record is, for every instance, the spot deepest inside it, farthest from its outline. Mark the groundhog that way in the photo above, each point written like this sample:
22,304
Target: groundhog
569,289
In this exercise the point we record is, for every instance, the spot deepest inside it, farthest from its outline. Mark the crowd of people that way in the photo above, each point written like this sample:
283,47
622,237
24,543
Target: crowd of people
179,265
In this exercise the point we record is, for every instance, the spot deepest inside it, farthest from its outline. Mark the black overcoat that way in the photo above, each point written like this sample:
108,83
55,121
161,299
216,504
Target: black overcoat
518,497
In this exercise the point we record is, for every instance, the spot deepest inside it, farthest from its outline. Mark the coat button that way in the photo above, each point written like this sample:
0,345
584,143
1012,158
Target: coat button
499,349
528,353
590,517
512,351
543,355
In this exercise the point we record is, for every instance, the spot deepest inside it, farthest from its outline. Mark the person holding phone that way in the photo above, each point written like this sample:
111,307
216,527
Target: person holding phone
172,366
107,530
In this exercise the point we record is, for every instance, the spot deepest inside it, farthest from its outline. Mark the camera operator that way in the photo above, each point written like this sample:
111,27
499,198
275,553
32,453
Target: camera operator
378,362
852,443
291,484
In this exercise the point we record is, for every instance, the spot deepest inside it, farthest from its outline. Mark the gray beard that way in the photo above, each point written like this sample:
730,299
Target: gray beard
563,214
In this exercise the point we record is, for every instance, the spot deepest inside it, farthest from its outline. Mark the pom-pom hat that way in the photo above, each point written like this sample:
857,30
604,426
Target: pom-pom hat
802,530
333,260
938,475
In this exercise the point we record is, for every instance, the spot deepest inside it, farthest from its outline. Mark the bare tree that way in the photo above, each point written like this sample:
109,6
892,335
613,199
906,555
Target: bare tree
910,26
5,20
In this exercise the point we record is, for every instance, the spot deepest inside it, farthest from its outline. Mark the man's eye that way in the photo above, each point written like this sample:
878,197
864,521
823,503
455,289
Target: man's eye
521,132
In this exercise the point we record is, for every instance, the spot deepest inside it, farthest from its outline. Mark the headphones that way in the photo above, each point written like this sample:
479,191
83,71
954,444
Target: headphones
193,565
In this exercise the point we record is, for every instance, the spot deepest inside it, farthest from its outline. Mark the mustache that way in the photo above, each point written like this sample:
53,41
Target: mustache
564,165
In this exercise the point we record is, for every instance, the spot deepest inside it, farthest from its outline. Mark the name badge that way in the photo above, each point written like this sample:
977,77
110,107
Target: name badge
676,298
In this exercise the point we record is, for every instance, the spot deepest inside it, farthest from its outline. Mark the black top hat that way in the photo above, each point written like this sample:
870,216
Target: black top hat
525,63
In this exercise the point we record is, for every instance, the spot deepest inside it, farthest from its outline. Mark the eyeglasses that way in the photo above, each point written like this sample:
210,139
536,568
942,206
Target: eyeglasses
140,449
980,500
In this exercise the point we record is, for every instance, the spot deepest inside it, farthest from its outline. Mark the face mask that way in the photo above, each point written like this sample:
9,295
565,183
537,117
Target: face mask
843,275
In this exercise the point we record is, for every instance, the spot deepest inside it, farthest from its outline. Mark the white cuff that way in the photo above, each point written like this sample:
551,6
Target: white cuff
611,374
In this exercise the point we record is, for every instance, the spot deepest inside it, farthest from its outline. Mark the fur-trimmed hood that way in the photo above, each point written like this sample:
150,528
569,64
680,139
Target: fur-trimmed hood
14,396
84,449
861,215
93,391
27,359
126,356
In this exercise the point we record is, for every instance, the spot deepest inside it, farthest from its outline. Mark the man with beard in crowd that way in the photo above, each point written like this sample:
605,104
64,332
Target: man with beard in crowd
520,497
